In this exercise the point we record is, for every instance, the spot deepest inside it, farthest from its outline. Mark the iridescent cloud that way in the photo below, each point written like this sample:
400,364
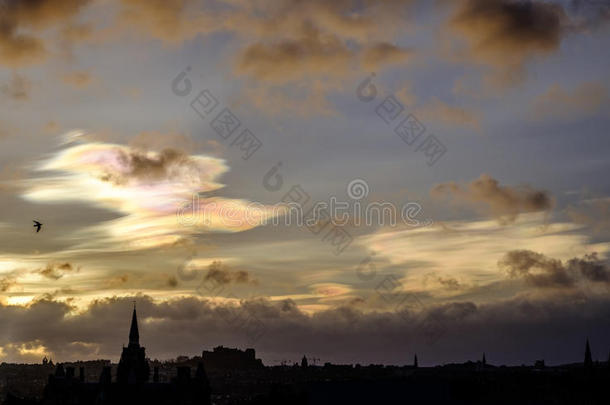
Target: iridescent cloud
147,189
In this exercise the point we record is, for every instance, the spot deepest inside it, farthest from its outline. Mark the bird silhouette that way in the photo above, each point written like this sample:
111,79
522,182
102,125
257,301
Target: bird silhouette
37,225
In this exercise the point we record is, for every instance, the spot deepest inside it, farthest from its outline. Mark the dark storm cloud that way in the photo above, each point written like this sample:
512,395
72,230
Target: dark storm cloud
512,331
542,271
17,47
502,202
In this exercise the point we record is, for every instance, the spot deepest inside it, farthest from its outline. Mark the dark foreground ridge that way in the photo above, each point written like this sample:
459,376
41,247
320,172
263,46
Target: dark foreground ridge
231,376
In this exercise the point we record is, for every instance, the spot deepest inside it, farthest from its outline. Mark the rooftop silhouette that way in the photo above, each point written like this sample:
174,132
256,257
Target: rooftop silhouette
232,376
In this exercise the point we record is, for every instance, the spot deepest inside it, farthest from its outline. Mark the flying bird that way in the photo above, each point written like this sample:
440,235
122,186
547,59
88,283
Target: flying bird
37,225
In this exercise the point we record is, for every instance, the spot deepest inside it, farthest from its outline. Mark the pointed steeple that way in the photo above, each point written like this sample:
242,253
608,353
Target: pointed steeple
588,358
134,335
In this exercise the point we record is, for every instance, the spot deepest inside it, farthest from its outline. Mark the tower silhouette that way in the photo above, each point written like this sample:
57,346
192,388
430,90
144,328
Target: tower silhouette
134,335
133,367
588,358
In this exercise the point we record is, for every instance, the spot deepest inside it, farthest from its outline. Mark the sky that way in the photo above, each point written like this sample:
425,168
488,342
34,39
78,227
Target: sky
358,181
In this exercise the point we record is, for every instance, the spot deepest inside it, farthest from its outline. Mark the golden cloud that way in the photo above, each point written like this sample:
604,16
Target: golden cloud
470,250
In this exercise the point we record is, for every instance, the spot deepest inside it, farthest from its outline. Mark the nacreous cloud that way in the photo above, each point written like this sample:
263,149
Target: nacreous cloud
148,189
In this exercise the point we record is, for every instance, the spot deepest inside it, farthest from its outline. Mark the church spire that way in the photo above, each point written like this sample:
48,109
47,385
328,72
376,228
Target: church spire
588,358
134,335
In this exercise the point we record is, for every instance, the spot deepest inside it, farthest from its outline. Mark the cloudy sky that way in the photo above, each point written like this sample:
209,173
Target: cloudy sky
164,144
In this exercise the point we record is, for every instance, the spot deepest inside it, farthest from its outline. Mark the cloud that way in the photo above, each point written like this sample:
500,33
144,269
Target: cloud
558,103
406,95
520,263
313,53
56,271
177,20
172,281
7,282
79,79
591,268
503,202
148,167
221,275
588,15
18,88
382,54
505,33
318,39
340,334
287,42
116,281
441,111
72,33
160,196
51,126
164,19
21,21
594,213
303,101
545,272
469,251
449,283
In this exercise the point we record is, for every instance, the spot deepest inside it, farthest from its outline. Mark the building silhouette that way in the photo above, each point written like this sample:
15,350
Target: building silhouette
133,367
226,359
239,378
588,359
131,385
